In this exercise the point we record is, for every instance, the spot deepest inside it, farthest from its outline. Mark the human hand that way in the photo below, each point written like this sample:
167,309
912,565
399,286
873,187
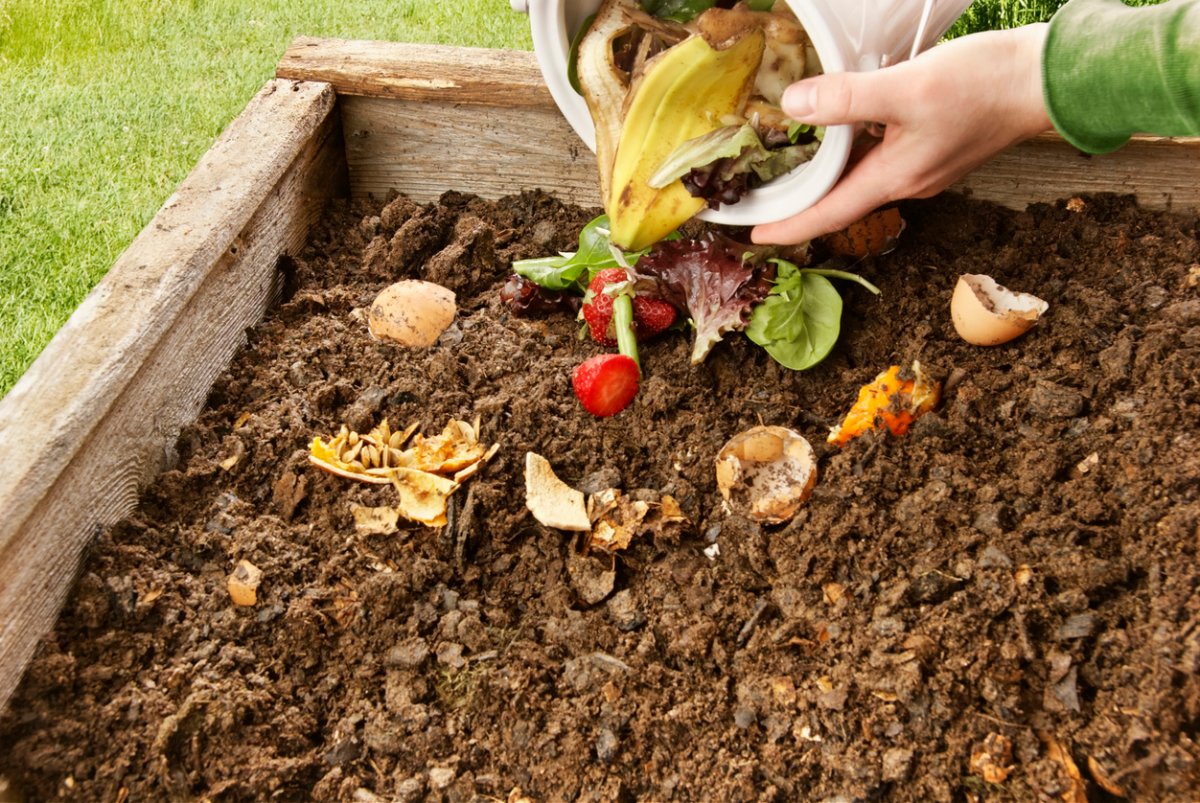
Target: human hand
946,112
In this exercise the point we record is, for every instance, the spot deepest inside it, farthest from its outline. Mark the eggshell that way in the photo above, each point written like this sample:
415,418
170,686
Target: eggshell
412,313
766,473
988,314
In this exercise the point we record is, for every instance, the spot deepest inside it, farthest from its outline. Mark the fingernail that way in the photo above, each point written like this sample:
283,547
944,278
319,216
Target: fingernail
799,100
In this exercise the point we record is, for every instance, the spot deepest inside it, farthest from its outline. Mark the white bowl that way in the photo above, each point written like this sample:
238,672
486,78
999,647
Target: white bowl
849,35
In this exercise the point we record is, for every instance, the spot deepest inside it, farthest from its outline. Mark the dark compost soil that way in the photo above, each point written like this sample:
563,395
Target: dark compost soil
1019,569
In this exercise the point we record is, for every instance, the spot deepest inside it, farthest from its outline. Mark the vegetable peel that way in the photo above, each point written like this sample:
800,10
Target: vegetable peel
892,401
417,473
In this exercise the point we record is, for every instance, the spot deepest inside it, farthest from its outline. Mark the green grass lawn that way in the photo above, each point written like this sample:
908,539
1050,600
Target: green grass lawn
107,104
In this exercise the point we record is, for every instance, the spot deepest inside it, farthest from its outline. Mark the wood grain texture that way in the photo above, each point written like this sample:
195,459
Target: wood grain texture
477,76
1163,173
424,148
97,414
480,120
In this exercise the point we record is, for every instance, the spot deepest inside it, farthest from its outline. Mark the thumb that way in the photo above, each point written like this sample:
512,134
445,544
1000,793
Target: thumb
835,98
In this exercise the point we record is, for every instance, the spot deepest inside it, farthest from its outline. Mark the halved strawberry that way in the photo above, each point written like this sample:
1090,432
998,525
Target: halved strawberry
606,384
650,315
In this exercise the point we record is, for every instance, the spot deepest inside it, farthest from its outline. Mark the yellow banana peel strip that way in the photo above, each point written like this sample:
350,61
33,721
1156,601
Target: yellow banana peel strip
684,93
678,94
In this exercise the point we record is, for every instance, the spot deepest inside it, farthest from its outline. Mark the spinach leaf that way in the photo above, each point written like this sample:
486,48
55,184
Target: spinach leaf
571,270
677,10
799,321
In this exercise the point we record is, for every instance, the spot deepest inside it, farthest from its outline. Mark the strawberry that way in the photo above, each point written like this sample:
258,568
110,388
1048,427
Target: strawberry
606,384
598,305
650,315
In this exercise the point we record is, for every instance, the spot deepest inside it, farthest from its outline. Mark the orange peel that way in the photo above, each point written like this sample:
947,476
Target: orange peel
892,401
874,235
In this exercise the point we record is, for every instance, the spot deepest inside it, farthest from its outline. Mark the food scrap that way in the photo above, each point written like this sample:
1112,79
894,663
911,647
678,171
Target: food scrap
874,235
766,473
618,518
424,474
412,313
551,501
685,104
893,401
610,519
988,314
374,520
243,583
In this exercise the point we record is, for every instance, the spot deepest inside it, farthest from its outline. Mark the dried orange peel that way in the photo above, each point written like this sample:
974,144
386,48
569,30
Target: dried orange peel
424,474
895,399
874,235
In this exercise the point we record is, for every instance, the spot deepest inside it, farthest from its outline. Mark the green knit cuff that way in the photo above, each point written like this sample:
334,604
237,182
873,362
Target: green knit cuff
1110,71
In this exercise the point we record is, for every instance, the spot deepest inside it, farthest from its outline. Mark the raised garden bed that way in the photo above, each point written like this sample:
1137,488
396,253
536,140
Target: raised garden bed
1018,570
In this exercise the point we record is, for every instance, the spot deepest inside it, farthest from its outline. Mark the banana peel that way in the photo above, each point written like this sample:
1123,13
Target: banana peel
673,96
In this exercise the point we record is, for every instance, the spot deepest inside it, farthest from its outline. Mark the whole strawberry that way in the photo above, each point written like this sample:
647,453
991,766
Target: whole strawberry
650,315
606,384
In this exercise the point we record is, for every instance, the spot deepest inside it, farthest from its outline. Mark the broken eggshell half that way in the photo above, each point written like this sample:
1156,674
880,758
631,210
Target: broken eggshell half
766,473
412,313
986,313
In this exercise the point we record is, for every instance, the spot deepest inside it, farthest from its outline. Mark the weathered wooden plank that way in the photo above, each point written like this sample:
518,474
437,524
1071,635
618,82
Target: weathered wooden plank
481,120
423,148
478,76
97,413
1163,173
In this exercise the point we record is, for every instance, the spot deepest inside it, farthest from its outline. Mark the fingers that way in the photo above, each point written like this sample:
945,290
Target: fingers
837,98
855,196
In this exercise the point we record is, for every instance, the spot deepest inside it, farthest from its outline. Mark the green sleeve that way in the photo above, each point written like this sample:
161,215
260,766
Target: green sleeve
1110,71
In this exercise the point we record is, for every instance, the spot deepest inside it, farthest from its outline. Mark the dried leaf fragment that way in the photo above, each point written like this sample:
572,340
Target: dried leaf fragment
243,583
551,501
1100,775
616,519
1057,752
375,520
892,401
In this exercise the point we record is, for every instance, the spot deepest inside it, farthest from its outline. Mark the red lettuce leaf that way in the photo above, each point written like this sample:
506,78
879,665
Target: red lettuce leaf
716,279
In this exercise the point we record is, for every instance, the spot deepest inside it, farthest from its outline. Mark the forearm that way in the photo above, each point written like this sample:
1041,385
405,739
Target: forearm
1110,71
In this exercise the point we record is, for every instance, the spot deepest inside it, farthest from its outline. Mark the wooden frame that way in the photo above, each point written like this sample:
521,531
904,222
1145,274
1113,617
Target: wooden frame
424,119
97,414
